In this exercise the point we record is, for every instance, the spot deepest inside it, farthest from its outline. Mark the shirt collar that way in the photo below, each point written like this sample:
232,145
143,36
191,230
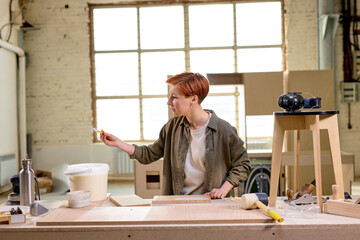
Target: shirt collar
213,123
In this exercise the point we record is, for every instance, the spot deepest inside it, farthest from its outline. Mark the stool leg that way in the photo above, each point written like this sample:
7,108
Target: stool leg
296,159
278,139
334,140
314,127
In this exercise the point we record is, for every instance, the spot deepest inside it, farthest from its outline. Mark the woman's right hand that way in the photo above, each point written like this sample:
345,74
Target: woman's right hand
109,139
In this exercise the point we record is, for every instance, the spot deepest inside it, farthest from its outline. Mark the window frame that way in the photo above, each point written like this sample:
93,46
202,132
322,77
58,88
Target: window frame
186,50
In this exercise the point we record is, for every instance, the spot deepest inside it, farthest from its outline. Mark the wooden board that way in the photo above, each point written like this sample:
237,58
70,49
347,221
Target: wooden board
180,199
166,214
129,201
262,90
339,207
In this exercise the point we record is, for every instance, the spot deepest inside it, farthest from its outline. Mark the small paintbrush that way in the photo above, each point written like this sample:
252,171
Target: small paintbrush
96,130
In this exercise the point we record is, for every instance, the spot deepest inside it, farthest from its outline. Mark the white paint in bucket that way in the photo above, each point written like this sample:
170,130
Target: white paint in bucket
90,177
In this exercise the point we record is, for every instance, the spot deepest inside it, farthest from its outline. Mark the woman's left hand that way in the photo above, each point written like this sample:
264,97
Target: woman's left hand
217,193
221,192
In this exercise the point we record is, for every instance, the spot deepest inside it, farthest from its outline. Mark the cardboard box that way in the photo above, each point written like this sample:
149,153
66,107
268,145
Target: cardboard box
44,179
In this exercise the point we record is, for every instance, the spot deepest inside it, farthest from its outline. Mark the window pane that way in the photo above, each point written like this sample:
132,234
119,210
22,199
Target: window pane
259,132
259,60
120,117
115,29
162,27
156,67
212,61
258,23
211,25
116,74
155,114
223,106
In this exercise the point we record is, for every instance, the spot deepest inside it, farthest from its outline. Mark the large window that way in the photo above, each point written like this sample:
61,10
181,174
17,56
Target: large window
136,47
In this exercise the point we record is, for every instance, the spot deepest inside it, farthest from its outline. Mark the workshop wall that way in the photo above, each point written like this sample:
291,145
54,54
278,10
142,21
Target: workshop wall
58,74
301,34
349,137
59,85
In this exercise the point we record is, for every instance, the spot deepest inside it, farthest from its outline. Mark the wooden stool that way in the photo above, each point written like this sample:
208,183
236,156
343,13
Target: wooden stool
314,121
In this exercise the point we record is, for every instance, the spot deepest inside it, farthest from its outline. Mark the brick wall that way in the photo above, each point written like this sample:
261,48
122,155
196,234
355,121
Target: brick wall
58,76
301,34
349,138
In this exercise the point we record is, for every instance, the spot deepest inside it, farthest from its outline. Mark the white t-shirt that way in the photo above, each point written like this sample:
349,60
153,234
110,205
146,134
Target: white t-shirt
195,162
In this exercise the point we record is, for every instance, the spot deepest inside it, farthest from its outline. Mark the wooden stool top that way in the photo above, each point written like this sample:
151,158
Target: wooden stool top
306,113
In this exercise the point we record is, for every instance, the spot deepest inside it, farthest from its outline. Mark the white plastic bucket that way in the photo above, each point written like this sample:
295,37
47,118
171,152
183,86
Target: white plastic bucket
91,177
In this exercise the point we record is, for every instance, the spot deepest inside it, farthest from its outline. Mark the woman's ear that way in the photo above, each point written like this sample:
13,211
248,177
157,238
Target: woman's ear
195,99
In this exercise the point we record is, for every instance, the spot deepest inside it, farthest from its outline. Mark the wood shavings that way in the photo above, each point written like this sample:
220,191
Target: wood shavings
235,199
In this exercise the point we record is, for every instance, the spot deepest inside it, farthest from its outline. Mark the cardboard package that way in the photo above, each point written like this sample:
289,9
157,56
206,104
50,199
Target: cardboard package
44,179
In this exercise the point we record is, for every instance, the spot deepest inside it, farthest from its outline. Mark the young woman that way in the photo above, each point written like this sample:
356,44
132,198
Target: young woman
202,153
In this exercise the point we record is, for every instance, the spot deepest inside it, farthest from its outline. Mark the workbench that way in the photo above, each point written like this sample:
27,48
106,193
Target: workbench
323,226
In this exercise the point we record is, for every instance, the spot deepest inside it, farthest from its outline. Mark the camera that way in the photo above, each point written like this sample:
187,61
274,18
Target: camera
293,101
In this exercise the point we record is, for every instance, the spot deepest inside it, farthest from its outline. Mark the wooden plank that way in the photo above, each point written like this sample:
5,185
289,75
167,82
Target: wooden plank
348,209
129,200
181,199
225,78
262,90
161,214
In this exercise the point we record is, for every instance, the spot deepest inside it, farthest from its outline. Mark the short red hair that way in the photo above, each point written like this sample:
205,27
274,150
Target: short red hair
191,84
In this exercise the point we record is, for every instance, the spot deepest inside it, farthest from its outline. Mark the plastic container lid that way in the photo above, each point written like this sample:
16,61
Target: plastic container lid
87,168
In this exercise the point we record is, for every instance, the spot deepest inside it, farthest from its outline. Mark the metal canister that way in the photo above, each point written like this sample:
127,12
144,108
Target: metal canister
27,182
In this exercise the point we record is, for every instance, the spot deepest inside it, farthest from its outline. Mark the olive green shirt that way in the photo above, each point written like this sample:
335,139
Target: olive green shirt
225,155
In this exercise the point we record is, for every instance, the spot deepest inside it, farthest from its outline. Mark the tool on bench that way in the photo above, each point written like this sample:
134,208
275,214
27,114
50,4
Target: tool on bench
290,194
14,196
12,216
36,209
304,196
259,200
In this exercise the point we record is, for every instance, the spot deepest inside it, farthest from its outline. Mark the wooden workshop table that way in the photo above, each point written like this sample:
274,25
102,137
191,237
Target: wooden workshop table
324,226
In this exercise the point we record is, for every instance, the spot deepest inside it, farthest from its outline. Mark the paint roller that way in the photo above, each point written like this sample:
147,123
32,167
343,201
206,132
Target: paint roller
259,200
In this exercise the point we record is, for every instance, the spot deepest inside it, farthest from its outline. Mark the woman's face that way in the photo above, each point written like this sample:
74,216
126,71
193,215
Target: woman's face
179,103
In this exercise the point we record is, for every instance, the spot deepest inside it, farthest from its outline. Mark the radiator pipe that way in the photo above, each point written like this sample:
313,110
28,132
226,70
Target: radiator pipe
21,95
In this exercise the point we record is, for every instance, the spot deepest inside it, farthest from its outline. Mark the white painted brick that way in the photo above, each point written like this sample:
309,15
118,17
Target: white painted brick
301,33
58,75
